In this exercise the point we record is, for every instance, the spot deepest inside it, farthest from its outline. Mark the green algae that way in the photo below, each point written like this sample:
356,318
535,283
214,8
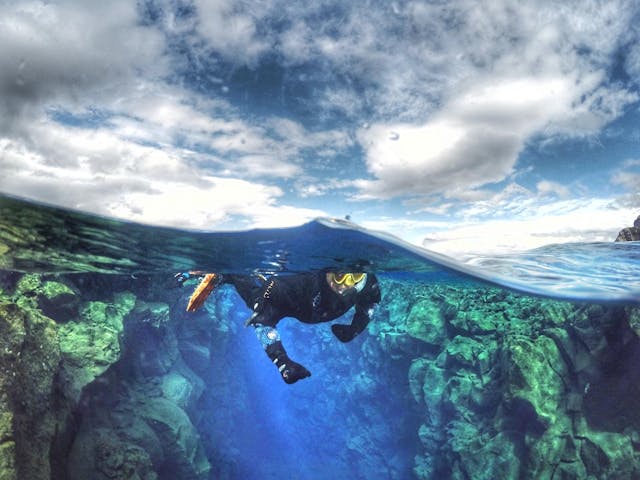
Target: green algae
29,359
91,343
506,391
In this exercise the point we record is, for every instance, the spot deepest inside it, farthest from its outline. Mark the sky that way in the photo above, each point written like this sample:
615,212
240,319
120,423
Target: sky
464,126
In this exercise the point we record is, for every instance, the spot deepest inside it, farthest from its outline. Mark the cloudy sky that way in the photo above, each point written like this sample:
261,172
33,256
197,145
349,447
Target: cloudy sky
471,126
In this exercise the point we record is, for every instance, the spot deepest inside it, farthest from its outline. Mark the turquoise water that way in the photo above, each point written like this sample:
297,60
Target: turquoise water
513,366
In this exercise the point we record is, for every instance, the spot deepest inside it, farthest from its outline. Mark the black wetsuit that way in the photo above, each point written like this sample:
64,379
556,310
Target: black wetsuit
308,298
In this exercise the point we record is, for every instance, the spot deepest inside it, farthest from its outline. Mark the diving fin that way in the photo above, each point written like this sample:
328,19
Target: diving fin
200,294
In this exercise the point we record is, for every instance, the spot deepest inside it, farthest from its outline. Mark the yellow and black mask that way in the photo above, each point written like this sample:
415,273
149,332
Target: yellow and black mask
348,280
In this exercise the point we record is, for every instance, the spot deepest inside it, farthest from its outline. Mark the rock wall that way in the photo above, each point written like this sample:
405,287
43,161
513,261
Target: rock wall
81,396
516,387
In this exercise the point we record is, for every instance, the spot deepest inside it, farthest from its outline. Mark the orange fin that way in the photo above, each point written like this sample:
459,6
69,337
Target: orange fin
200,294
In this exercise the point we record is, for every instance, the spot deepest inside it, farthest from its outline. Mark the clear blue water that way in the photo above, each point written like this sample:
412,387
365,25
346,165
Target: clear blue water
45,239
354,418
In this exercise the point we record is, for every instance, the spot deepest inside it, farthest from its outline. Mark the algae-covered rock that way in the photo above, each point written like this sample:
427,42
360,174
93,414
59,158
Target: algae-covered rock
464,352
426,323
634,319
466,393
155,314
535,402
479,456
55,299
112,458
58,301
28,285
416,378
182,386
610,455
477,322
537,375
29,358
91,344
180,440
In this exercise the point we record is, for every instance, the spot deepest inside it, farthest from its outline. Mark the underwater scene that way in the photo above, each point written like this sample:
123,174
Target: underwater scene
496,367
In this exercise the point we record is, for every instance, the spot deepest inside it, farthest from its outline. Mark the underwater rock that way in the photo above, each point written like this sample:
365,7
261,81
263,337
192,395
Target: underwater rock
56,300
502,386
180,440
152,398
91,343
417,373
29,358
426,323
155,314
464,352
155,351
610,455
182,386
112,458
474,454
630,234
477,322
537,377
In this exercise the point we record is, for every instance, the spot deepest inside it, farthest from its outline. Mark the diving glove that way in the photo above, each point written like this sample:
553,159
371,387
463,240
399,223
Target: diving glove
345,333
290,371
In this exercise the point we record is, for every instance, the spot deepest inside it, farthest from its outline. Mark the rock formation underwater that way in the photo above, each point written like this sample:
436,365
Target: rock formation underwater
107,377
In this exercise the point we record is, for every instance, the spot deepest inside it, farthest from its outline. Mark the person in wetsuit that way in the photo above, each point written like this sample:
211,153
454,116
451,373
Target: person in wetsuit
310,298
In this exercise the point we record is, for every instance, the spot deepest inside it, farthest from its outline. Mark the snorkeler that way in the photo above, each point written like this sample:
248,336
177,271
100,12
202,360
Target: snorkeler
308,297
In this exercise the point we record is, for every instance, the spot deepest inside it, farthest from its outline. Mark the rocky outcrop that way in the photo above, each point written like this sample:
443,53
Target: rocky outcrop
29,413
630,234
519,387
95,389
137,418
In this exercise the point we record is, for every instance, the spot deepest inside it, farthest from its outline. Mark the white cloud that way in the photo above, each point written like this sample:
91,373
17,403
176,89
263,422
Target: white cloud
71,53
473,141
99,171
546,187
558,222
628,180
231,31
452,93
520,71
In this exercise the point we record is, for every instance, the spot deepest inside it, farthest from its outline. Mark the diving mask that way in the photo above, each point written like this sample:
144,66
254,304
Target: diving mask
348,280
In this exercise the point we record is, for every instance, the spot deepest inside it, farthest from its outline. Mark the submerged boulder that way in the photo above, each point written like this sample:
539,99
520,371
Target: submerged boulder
91,343
425,322
179,439
55,299
113,457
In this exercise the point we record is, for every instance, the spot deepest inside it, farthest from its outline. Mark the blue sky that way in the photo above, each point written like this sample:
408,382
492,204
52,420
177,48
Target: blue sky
465,126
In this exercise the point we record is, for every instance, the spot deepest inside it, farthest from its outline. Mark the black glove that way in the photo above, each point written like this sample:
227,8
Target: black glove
293,372
345,333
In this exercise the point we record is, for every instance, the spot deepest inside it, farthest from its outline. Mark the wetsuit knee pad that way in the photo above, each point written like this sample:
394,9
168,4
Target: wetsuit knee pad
266,335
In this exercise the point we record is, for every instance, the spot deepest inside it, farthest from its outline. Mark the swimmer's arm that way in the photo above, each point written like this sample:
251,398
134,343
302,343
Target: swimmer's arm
361,319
